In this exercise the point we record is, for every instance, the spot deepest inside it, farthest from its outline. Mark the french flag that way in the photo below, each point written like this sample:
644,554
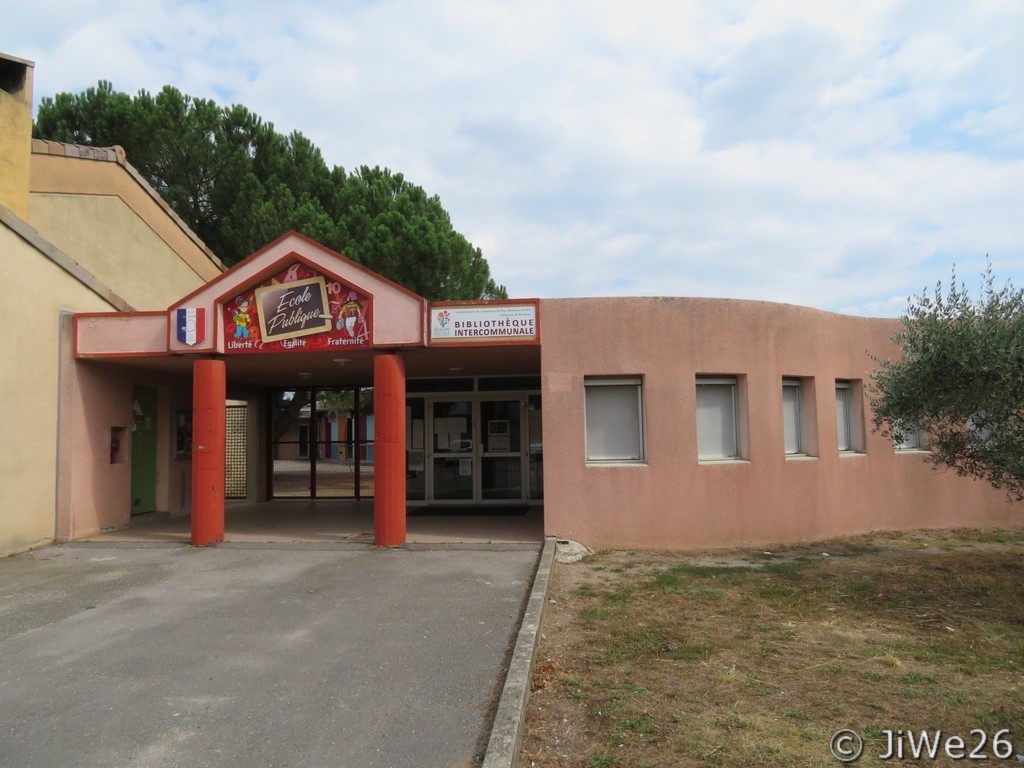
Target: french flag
191,325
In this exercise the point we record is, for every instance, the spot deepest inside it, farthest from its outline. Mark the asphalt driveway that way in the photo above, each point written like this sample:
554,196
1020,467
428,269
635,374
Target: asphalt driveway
251,656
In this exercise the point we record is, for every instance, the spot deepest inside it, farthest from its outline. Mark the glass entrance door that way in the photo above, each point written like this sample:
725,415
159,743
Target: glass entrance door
501,460
452,449
477,449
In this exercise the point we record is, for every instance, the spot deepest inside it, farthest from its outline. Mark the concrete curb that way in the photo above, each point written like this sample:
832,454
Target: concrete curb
488,546
507,731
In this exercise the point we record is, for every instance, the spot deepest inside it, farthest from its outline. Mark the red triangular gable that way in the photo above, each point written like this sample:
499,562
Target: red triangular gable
337,307
299,307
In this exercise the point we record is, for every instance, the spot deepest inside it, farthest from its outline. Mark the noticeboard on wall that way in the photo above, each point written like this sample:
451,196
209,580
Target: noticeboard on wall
498,436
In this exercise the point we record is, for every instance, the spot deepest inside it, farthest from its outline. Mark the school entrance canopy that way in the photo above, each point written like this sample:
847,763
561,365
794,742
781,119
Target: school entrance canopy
296,315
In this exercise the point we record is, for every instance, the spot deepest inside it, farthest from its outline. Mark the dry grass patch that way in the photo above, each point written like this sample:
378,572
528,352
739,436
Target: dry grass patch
754,658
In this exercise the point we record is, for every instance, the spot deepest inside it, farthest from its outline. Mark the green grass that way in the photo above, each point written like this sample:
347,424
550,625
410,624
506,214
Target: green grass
664,661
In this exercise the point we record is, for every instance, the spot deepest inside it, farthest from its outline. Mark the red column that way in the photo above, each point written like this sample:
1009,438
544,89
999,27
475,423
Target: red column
389,450
209,428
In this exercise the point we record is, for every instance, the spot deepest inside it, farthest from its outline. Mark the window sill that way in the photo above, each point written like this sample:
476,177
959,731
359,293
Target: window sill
844,454
912,451
616,463
711,462
800,457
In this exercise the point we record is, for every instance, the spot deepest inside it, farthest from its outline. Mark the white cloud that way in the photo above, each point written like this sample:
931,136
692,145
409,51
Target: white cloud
831,154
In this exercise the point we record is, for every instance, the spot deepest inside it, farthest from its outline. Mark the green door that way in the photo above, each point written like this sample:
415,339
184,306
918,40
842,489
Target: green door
143,450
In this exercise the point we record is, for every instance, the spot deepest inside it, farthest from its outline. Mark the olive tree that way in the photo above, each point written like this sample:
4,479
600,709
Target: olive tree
960,380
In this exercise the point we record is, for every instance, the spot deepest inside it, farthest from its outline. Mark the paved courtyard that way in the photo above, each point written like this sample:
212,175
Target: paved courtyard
163,656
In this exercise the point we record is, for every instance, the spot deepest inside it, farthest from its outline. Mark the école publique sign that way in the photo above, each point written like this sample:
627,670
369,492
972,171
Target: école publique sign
298,309
290,310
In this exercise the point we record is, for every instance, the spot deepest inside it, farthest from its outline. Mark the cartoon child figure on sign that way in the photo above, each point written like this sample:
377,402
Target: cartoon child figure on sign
351,317
241,318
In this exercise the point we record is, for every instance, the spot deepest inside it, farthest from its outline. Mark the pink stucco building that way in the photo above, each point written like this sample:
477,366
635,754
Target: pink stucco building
752,428
637,422
144,378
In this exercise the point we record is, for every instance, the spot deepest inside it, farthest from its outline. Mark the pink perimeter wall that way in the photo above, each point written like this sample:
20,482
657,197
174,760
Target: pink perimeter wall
672,500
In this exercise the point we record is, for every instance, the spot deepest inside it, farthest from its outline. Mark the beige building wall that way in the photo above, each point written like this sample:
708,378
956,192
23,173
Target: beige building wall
90,203
15,132
29,389
80,231
673,500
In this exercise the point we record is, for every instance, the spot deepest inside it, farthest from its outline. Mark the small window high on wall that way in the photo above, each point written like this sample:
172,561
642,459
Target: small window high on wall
793,417
718,418
913,440
848,427
614,419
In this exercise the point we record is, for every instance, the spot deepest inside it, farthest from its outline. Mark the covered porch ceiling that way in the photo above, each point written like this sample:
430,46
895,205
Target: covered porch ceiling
343,368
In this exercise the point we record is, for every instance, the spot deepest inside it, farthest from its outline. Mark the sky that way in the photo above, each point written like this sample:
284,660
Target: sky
834,154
